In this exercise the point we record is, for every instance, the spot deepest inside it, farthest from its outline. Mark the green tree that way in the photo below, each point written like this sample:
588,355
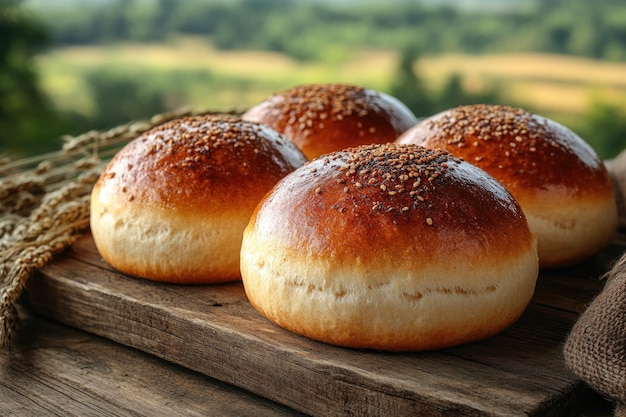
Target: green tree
604,127
27,120
407,86
121,98
453,94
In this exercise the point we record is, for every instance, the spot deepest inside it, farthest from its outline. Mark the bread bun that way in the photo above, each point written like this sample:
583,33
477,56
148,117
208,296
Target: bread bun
391,247
172,204
617,171
559,181
321,118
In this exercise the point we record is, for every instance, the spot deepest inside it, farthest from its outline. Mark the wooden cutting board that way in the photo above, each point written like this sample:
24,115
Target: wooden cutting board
214,330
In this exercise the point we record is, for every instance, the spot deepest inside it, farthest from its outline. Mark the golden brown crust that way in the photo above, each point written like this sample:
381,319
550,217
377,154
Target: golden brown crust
321,118
203,163
394,247
363,200
542,163
527,153
173,203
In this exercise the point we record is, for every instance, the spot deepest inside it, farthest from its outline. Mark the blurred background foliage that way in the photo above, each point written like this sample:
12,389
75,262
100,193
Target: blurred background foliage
70,66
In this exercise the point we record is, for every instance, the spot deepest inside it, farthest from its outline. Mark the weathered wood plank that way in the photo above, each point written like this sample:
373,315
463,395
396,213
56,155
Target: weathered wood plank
54,370
214,330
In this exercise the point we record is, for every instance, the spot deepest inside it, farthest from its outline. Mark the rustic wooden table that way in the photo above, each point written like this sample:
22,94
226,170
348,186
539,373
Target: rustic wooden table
173,340
56,370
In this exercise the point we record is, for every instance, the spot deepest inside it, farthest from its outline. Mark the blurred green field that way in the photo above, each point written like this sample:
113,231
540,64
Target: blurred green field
193,73
198,75
563,87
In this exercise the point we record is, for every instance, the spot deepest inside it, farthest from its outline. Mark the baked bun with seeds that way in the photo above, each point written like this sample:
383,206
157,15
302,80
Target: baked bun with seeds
321,118
389,247
173,203
561,184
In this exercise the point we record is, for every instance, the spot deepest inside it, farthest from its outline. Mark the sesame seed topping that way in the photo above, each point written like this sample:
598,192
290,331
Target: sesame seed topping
383,172
201,135
208,146
516,129
326,102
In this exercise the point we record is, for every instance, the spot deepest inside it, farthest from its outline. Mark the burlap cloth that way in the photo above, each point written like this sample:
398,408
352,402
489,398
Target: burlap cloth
595,349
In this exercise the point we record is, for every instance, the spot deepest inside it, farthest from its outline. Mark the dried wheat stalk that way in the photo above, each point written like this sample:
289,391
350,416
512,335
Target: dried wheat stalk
44,206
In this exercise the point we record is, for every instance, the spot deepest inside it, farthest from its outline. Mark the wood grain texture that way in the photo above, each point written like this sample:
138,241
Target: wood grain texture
54,370
215,331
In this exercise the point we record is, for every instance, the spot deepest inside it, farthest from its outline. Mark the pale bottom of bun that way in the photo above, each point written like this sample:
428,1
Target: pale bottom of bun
189,249
383,307
570,231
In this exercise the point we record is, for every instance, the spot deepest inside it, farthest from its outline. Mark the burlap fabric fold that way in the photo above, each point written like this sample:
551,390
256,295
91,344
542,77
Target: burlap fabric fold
595,349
